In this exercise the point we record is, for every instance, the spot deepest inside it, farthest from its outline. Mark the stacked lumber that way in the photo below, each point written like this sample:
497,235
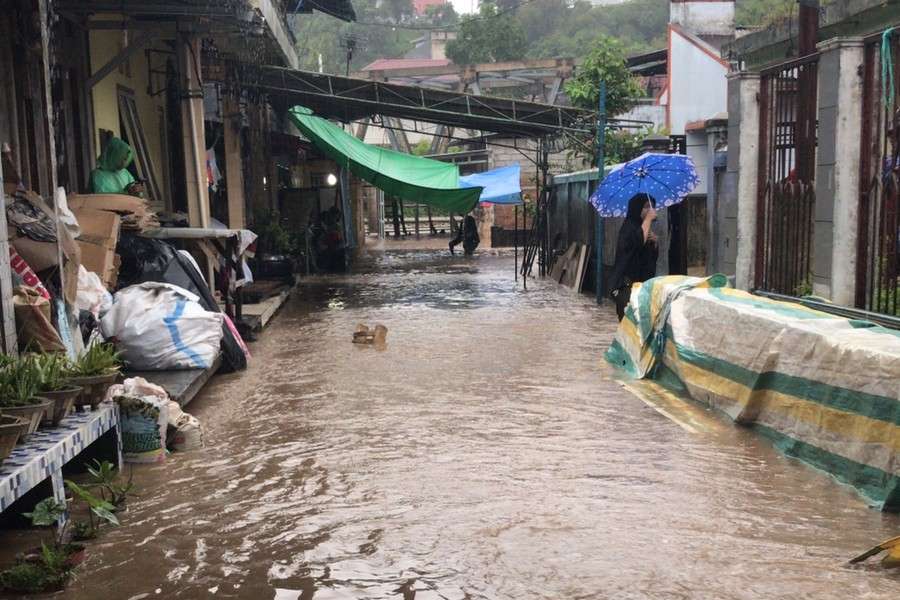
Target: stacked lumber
135,212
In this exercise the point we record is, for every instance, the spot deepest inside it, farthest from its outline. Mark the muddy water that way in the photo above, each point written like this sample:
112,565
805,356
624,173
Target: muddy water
487,452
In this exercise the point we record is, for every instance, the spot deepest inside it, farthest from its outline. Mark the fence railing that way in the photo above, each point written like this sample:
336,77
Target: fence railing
878,243
786,197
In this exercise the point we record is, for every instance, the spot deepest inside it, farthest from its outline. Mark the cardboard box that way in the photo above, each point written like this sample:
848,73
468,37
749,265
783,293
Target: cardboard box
98,227
101,260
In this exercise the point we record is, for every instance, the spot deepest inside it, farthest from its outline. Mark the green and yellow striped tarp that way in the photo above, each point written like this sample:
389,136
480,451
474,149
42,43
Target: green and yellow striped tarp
825,389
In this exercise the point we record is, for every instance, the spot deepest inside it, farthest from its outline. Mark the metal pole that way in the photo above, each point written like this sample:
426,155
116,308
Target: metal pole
516,239
601,146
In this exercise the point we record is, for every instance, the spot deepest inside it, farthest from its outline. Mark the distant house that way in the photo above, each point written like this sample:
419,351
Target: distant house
420,6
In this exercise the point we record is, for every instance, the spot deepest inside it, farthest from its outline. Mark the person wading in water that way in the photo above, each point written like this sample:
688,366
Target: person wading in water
636,250
467,234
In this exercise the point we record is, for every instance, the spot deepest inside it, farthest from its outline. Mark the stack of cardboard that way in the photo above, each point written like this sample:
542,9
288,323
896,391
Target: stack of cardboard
135,213
97,243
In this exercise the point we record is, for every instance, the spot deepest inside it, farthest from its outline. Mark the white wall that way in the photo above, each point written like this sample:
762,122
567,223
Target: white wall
698,150
704,17
647,111
697,86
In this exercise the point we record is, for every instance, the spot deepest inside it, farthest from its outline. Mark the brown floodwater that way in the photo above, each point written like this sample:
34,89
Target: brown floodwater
486,452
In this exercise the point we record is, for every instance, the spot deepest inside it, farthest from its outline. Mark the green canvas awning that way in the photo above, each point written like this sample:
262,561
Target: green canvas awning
408,177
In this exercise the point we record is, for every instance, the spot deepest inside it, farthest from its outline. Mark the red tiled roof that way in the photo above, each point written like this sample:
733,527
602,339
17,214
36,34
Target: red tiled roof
383,64
421,5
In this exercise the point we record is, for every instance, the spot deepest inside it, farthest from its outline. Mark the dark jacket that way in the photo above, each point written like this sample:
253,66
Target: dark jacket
635,259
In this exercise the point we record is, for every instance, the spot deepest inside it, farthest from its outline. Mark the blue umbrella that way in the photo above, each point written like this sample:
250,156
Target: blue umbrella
666,177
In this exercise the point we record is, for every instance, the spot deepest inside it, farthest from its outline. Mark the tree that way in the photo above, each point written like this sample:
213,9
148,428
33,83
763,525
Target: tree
441,15
318,33
399,10
487,37
605,62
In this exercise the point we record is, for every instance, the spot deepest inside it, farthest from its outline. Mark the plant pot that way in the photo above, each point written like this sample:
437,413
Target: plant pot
63,400
94,389
33,414
10,430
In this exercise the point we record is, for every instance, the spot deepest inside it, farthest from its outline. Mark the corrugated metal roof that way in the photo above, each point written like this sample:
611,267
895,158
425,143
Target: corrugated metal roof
384,64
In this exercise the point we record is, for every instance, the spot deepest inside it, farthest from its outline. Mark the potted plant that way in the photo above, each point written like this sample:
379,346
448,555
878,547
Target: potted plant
53,369
94,372
48,568
11,428
19,393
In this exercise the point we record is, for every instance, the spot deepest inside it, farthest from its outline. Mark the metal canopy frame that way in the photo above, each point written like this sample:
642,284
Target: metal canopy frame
350,99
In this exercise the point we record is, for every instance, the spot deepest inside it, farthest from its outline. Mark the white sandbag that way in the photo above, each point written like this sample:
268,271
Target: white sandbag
188,434
143,423
92,295
158,326
175,414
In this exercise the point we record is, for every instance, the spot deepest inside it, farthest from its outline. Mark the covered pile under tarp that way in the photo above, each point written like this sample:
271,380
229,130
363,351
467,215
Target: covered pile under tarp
407,177
501,185
823,388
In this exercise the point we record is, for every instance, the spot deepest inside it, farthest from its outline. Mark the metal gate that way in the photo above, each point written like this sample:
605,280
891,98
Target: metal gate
787,163
878,263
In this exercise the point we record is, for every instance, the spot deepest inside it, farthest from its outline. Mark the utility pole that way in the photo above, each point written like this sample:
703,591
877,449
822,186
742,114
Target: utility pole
349,42
601,147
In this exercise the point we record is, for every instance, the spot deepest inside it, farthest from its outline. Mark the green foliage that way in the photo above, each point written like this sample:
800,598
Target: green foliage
376,33
99,359
98,506
46,512
53,368
273,237
422,148
487,37
442,15
563,28
605,62
759,13
30,578
20,381
106,478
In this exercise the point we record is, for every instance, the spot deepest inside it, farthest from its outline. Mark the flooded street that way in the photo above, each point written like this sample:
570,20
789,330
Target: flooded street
486,452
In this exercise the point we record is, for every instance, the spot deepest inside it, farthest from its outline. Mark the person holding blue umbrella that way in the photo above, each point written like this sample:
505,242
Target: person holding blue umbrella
637,250
634,191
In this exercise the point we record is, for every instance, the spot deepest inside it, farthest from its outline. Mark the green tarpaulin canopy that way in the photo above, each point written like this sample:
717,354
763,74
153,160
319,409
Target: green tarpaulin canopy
408,177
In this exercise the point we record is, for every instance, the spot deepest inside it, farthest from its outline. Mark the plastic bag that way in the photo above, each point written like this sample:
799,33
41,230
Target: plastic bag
66,216
146,259
160,326
24,272
33,325
92,295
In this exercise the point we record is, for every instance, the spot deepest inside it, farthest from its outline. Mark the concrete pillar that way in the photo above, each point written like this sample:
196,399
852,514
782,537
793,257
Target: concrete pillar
193,133
234,167
837,169
716,137
743,161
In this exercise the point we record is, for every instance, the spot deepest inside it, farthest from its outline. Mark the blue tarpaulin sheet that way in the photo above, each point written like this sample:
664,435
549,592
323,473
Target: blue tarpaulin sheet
501,186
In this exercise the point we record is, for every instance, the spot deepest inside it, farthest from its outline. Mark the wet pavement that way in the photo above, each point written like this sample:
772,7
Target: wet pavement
486,452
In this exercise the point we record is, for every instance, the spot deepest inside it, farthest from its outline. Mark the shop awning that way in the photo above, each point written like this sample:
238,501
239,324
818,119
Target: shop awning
500,186
405,176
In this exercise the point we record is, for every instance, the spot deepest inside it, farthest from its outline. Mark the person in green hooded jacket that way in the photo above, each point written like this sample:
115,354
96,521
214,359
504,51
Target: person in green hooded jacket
111,175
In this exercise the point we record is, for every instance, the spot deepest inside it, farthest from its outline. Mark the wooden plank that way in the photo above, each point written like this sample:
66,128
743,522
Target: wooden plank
7,314
127,52
234,166
582,267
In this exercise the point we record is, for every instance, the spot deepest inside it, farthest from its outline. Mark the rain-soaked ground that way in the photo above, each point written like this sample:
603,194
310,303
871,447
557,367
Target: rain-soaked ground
487,452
